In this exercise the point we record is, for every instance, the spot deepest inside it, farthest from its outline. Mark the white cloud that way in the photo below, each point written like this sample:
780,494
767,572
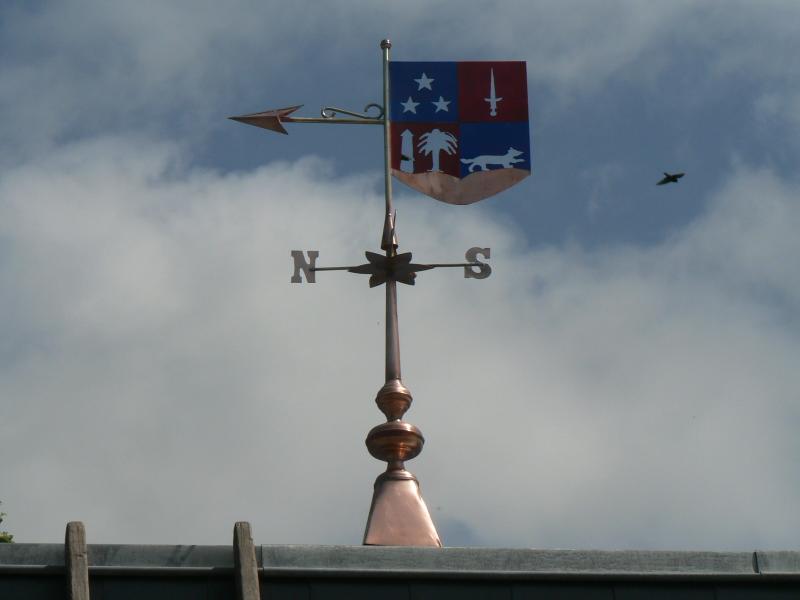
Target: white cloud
83,67
163,379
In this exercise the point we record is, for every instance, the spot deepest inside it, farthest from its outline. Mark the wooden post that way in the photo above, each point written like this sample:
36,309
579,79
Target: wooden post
245,565
76,561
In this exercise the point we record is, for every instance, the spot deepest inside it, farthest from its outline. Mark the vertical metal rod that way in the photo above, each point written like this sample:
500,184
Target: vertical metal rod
387,148
388,241
392,333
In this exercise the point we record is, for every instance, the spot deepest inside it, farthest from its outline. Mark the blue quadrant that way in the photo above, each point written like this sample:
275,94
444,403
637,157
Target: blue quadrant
493,146
424,92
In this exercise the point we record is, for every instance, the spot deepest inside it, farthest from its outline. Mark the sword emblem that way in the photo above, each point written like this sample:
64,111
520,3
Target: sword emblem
492,99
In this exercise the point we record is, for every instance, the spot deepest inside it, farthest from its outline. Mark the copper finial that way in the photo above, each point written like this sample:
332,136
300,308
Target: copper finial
398,515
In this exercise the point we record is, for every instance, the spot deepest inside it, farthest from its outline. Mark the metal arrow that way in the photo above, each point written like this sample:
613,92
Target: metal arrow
275,118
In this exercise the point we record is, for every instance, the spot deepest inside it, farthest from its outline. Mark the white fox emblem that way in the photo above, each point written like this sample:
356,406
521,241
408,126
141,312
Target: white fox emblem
484,160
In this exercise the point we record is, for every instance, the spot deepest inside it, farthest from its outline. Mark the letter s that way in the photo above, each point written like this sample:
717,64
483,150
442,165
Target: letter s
481,270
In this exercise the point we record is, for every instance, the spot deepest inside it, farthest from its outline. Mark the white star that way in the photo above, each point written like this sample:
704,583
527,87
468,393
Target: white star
442,104
409,105
424,82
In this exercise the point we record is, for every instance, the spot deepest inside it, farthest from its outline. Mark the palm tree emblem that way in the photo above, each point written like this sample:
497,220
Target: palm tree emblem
436,141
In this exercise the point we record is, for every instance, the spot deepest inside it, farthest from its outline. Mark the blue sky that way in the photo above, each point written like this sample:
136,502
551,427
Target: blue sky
625,379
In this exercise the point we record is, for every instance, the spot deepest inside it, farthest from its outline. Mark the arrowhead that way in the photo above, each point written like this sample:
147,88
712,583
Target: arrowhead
269,119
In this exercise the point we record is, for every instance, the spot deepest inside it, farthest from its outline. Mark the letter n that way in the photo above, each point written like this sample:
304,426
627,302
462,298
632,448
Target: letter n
300,264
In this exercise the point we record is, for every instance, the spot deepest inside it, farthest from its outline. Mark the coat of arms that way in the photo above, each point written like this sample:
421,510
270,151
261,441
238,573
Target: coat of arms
459,129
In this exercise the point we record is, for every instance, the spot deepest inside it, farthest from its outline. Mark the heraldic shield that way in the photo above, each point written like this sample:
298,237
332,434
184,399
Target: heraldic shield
459,130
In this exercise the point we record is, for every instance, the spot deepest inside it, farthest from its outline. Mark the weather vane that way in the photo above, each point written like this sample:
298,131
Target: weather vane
456,131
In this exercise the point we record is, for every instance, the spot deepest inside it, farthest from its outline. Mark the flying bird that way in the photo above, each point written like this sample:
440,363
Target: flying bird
670,178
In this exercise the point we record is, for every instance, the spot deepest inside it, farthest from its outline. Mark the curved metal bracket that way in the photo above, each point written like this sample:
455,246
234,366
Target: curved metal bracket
330,112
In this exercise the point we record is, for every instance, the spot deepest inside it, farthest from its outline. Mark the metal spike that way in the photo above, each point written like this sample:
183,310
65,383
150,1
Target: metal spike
389,238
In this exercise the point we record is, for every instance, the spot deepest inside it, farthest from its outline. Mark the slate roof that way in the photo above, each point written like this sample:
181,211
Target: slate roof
312,572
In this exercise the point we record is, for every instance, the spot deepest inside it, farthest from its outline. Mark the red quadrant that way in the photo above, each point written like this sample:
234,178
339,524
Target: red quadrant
474,90
415,146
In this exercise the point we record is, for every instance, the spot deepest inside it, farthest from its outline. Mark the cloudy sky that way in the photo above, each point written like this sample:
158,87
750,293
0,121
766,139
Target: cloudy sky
626,378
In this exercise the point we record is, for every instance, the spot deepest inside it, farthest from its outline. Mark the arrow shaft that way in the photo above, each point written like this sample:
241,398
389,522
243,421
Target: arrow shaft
334,121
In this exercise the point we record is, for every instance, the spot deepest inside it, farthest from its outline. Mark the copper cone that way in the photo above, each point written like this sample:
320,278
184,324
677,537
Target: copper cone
398,515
